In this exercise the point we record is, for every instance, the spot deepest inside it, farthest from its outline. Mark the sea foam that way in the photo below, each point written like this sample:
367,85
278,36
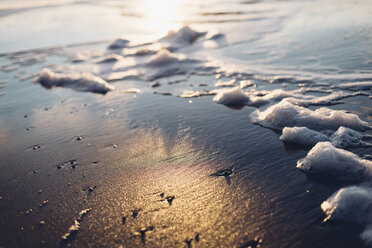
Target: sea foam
76,81
164,57
328,161
231,96
261,98
119,43
343,137
351,204
184,36
346,137
355,86
302,135
286,114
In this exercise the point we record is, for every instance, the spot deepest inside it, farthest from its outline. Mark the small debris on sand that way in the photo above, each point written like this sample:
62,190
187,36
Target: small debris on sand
28,211
135,212
170,199
91,188
71,162
76,226
255,243
36,147
142,233
188,242
43,203
197,237
223,173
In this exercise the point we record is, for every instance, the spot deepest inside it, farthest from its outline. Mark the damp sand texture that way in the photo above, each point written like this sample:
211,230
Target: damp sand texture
185,123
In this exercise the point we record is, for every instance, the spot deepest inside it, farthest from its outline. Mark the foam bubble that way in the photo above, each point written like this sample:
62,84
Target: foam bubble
232,96
351,204
110,58
346,137
76,81
165,64
221,83
326,160
306,100
192,93
164,57
286,114
245,83
355,86
343,137
131,90
119,43
260,98
184,36
302,136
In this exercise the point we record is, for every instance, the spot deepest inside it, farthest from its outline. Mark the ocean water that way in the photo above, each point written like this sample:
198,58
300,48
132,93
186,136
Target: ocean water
185,123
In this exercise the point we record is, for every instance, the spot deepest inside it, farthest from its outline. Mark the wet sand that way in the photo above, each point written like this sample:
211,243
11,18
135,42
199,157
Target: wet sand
155,141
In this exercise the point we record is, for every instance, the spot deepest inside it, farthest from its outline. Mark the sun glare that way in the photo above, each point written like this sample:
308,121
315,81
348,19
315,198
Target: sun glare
162,15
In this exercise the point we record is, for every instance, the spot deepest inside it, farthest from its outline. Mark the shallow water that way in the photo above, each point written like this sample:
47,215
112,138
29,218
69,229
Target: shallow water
164,165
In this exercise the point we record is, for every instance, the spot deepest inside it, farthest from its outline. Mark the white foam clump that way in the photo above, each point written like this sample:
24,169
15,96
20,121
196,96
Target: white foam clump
232,96
165,64
346,137
119,43
351,204
306,100
221,83
286,114
302,135
131,90
110,58
261,98
214,35
76,81
343,137
164,57
190,94
245,98
184,36
355,86
245,83
326,160
275,95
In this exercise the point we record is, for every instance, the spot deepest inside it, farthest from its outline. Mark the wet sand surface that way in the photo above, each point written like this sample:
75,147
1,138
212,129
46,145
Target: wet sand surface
156,162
